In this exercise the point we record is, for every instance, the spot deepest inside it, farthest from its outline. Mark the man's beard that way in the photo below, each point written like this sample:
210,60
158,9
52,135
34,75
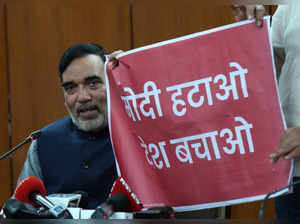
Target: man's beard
89,125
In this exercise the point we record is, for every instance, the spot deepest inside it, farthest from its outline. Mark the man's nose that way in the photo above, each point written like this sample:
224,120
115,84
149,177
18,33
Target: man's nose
83,94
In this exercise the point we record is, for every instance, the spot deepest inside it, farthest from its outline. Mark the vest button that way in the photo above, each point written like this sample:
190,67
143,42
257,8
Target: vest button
85,165
91,137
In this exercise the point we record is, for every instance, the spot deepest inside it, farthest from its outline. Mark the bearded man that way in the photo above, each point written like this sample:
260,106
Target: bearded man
75,152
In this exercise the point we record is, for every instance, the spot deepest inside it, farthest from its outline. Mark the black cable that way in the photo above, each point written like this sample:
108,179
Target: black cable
262,206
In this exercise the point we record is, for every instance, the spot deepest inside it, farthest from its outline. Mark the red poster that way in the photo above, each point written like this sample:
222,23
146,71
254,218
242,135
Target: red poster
194,119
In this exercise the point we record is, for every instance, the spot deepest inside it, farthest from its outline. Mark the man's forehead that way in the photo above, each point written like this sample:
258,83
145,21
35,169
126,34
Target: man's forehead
83,68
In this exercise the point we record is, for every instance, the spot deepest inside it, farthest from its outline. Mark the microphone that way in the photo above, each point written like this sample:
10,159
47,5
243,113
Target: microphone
32,191
118,205
14,209
120,186
155,213
118,202
34,135
84,199
262,205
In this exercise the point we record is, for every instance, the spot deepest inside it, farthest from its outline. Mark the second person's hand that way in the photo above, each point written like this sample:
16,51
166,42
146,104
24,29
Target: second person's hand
243,12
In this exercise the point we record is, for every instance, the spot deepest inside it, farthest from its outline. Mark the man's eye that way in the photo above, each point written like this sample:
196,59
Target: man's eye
94,84
69,89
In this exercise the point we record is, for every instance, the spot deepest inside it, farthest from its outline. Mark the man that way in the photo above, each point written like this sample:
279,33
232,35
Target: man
75,153
285,39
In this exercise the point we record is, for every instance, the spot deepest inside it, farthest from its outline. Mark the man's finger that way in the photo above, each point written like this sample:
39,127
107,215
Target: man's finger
114,54
113,61
293,154
239,12
274,157
289,146
260,12
250,11
289,140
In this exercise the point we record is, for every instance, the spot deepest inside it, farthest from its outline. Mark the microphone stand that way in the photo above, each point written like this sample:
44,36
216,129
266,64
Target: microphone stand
262,206
32,136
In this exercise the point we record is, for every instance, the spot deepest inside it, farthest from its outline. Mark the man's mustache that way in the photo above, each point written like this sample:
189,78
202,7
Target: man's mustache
86,107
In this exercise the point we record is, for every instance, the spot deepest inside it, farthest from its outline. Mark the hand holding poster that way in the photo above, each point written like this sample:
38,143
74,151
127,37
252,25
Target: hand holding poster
193,120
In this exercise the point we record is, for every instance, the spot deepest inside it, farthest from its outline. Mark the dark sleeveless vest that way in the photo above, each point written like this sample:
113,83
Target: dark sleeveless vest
73,160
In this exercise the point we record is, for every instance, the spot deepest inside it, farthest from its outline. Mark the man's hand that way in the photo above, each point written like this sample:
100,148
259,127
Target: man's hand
243,12
113,61
289,146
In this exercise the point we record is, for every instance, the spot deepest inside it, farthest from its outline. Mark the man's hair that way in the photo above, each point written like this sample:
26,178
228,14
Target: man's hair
79,50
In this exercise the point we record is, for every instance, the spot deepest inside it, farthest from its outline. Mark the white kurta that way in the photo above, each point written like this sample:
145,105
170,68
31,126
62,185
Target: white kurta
286,35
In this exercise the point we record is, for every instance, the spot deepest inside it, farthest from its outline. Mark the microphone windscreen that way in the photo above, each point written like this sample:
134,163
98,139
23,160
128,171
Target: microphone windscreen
120,186
120,202
26,187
